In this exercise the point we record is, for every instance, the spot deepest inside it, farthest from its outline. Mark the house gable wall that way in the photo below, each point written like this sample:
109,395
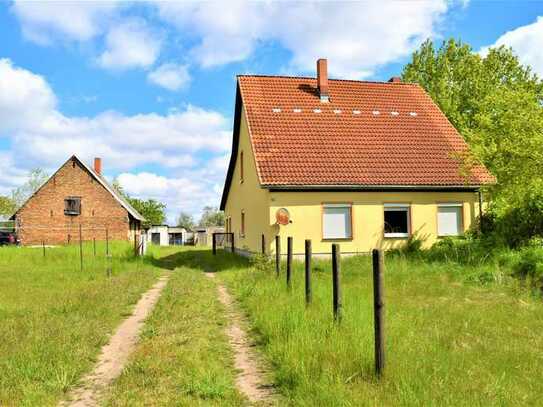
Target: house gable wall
247,196
42,218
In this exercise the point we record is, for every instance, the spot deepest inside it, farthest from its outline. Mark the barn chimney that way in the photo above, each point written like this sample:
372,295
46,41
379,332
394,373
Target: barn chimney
322,80
395,79
98,165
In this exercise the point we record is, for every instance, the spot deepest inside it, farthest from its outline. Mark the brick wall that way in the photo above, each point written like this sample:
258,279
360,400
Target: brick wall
42,218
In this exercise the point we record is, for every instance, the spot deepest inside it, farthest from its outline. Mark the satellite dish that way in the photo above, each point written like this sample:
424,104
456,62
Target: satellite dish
282,216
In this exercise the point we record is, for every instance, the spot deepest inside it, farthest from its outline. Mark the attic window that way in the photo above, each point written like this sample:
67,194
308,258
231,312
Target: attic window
337,111
356,112
413,114
296,110
394,113
376,112
276,110
72,206
317,110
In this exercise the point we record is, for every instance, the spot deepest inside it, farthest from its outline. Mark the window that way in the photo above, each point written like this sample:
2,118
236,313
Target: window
241,167
397,220
449,219
336,221
72,206
242,232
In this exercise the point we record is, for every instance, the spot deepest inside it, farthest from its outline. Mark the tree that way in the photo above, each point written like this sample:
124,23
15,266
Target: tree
7,207
36,178
153,211
494,102
186,221
211,216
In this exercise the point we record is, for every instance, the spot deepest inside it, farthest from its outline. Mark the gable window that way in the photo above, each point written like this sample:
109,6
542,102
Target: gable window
337,221
397,222
242,231
72,206
241,169
449,219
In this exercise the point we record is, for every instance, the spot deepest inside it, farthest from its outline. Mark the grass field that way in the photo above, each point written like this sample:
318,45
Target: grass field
183,357
449,341
54,318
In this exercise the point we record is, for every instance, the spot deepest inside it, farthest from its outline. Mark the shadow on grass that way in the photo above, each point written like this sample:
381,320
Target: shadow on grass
201,260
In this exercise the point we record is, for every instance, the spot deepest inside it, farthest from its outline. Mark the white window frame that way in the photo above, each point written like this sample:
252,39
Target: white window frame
345,205
397,207
458,205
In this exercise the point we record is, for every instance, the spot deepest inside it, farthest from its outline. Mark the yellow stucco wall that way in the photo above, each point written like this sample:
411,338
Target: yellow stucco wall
247,196
260,206
305,209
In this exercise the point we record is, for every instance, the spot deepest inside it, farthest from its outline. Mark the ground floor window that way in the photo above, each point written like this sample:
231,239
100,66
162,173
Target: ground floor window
337,221
397,222
449,219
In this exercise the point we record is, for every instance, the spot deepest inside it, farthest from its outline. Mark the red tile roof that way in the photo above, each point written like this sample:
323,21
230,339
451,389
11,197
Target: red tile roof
300,141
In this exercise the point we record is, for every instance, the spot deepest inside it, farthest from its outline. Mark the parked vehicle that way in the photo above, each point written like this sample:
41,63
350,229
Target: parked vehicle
8,238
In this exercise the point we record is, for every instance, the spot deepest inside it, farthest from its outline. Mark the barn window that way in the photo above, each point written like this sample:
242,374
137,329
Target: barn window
337,221
449,219
72,206
397,222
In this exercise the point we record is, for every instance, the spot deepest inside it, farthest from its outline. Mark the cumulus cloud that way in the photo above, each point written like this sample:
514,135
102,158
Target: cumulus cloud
44,22
357,37
24,97
131,44
42,136
526,43
188,193
170,76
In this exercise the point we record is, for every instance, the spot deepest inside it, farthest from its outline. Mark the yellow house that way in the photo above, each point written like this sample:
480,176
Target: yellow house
362,164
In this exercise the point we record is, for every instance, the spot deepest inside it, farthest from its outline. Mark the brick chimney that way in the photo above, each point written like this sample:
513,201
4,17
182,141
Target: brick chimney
395,79
98,165
322,79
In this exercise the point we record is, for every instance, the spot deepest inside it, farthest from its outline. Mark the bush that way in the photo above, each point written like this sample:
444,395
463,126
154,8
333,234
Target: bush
529,267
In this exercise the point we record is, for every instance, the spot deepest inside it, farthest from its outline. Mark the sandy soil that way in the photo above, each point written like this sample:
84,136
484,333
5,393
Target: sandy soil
251,379
115,354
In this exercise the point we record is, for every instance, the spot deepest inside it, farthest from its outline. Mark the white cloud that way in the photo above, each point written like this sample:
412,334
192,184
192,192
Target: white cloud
526,43
189,193
131,44
44,22
170,76
41,136
357,37
24,97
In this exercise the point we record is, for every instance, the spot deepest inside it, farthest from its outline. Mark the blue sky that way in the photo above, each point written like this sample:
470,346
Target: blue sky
149,86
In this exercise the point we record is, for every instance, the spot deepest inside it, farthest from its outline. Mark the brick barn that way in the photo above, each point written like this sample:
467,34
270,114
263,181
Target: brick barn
75,195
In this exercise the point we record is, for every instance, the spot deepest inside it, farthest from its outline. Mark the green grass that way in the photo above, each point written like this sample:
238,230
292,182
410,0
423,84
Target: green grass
183,357
54,318
450,341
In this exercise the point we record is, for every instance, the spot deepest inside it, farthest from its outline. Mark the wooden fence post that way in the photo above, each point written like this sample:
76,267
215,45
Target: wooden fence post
232,242
263,244
379,310
277,255
135,244
308,295
81,246
107,242
214,243
289,261
43,246
94,245
336,269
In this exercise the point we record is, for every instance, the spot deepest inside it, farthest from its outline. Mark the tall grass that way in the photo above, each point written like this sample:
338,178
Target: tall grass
54,317
450,339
